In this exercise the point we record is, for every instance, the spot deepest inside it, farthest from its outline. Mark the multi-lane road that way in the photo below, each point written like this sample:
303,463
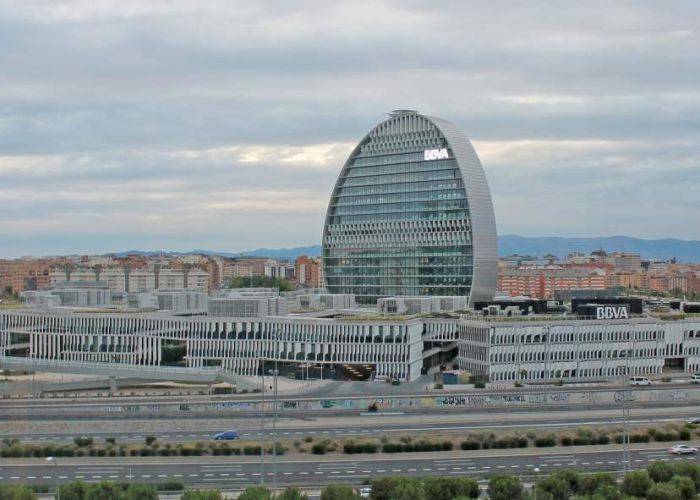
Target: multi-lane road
366,425
314,471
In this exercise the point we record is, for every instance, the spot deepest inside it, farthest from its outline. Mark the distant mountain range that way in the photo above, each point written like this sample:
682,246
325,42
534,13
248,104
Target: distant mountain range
508,244
683,251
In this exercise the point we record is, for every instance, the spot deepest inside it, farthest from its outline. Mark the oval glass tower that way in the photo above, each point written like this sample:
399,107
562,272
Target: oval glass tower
411,215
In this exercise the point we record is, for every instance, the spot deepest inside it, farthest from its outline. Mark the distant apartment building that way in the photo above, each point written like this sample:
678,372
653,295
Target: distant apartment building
624,261
115,278
141,280
309,271
27,274
197,279
276,269
169,279
542,283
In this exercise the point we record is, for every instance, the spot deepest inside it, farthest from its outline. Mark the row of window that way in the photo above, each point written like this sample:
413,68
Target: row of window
455,214
578,336
431,175
387,189
399,168
447,194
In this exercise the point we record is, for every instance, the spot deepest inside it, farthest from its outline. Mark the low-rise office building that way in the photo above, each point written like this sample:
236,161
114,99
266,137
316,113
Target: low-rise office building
534,349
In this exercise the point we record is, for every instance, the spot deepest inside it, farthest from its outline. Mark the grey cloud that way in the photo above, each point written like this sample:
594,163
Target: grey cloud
109,92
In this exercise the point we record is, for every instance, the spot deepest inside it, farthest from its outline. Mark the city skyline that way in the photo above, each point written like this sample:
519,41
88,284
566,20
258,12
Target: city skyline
178,127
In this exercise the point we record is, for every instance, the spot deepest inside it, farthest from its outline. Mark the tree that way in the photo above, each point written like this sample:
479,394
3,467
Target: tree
339,492
141,492
292,494
75,490
636,483
591,484
660,472
202,495
256,493
663,491
557,488
571,477
685,486
18,492
104,490
447,488
505,487
397,488
409,489
690,470
150,440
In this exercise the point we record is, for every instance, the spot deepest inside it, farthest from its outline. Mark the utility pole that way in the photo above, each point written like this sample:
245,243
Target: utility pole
274,374
262,423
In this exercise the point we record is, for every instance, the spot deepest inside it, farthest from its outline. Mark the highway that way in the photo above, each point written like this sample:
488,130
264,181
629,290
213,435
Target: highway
317,471
359,425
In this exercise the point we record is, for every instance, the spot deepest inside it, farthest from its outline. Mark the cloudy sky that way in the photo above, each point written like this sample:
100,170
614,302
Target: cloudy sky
223,125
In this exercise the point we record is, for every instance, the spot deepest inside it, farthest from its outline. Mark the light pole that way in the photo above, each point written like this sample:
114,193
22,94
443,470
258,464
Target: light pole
262,424
274,374
536,470
58,488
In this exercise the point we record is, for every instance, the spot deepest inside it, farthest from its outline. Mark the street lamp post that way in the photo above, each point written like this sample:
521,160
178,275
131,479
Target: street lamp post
58,487
274,374
536,470
262,424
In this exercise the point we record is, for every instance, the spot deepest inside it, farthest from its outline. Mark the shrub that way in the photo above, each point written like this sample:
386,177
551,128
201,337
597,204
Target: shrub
149,440
318,449
684,435
470,445
589,484
389,448
292,494
339,492
603,439
505,487
256,493
687,469
251,450
566,441
685,486
663,491
82,442
636,483
171,485
111,440
479,384
545,441
660,472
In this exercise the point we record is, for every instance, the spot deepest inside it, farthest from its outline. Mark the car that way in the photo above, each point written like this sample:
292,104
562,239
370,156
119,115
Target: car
694,420
227,436
683,449
365,491
695,379
395,382
639,381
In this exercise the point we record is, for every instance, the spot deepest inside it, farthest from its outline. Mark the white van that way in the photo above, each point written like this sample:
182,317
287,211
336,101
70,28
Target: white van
695,379
639,381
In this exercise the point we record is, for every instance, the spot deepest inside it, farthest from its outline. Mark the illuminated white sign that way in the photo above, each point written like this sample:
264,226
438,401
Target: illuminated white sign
610,312
435,154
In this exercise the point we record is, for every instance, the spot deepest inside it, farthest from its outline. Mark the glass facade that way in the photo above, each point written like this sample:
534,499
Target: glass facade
398,222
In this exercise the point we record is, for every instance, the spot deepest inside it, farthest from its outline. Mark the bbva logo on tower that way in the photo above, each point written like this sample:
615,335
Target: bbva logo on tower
610,312
435,154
